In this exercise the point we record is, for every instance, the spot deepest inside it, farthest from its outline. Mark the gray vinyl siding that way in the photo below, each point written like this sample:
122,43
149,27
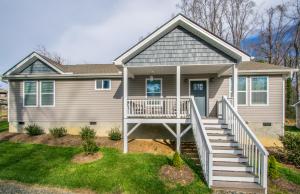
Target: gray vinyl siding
75,100
180,47
38,67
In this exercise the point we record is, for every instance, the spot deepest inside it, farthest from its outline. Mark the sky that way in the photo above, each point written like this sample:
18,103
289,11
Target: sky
81,31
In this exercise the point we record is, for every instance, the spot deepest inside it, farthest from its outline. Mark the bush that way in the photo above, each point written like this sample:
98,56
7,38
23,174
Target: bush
177,161
33,130
58,132
88,140
291,145
115,134
273,168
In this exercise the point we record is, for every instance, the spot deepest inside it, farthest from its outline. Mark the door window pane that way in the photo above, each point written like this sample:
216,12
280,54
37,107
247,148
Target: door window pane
153,87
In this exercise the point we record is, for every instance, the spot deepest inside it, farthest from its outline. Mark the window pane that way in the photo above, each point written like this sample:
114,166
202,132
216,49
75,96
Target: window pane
241,97
30,100
47,87
30,87
259,83
98,84
106,84
259,97
47,99
242,84
154,86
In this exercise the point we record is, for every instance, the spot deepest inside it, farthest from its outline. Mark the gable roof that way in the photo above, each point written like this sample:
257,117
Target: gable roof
31,58
181,20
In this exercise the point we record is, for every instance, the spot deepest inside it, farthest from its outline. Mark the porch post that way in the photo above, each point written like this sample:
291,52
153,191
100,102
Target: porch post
178,130
234,85
178,91
125,95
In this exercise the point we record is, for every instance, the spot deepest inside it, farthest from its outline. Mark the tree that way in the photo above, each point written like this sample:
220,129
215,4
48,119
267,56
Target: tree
53,56
210,14
232,20
240,17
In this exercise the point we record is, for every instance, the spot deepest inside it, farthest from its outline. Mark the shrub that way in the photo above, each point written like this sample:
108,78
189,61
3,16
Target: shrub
33,130
58,132
177,160
115,134
273,168
291,145
88,140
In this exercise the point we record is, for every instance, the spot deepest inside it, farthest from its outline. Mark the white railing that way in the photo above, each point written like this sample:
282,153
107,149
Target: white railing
203,146
158,107
255,152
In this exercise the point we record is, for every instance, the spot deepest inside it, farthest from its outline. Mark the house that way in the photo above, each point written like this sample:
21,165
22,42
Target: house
181,83
297,108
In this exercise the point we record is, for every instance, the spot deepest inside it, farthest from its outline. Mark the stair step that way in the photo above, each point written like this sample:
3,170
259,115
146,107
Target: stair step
234,176
229,158
215,125
218,142
238,187
220,136
217,130
227,150
231,166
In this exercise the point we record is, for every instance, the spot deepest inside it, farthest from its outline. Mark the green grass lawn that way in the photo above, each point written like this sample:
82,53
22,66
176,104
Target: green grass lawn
3,126
114,173
289,174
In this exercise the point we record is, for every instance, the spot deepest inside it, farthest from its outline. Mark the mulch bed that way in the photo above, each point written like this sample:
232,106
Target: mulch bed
141,146
182,176
283,185
84,158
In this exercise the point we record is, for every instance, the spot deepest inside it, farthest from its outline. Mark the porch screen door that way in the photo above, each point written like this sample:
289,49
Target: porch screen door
198,90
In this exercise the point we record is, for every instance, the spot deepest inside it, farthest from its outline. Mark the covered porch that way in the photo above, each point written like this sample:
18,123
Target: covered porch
163,94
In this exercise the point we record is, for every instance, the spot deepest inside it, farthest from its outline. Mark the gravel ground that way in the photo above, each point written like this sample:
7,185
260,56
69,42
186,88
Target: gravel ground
12,187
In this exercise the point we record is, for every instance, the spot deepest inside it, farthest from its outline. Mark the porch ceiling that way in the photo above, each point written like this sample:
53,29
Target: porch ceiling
185,69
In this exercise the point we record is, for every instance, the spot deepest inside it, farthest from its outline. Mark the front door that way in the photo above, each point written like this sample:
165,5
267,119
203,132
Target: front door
198,90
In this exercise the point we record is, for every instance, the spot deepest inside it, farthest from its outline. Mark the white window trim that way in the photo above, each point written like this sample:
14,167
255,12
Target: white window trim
161,88
40,93
247,89
251,104
107,89
36,93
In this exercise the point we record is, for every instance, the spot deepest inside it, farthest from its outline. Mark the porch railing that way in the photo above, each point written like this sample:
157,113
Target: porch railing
202,142
158,107
255,152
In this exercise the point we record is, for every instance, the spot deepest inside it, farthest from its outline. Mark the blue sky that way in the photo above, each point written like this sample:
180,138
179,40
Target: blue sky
81,31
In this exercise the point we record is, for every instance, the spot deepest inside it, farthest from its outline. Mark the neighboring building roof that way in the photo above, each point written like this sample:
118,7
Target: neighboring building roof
91,69
296,103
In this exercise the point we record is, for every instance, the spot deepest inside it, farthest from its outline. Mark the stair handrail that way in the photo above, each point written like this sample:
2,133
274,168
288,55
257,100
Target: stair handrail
202,142
258,155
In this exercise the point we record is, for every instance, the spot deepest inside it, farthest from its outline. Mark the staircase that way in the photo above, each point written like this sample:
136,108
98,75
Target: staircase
230,169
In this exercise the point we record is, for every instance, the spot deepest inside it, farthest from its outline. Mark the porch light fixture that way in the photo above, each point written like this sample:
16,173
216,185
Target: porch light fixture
151,78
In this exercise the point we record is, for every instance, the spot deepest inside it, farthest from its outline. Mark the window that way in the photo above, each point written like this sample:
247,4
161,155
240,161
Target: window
259,90
30,93
153,88
47,93
103,84
242,90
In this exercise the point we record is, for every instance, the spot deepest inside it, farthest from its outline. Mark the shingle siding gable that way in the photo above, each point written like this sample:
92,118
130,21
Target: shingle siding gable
38,67
180,47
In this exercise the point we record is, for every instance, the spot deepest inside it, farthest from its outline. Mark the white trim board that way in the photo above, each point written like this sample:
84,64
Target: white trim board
207,92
